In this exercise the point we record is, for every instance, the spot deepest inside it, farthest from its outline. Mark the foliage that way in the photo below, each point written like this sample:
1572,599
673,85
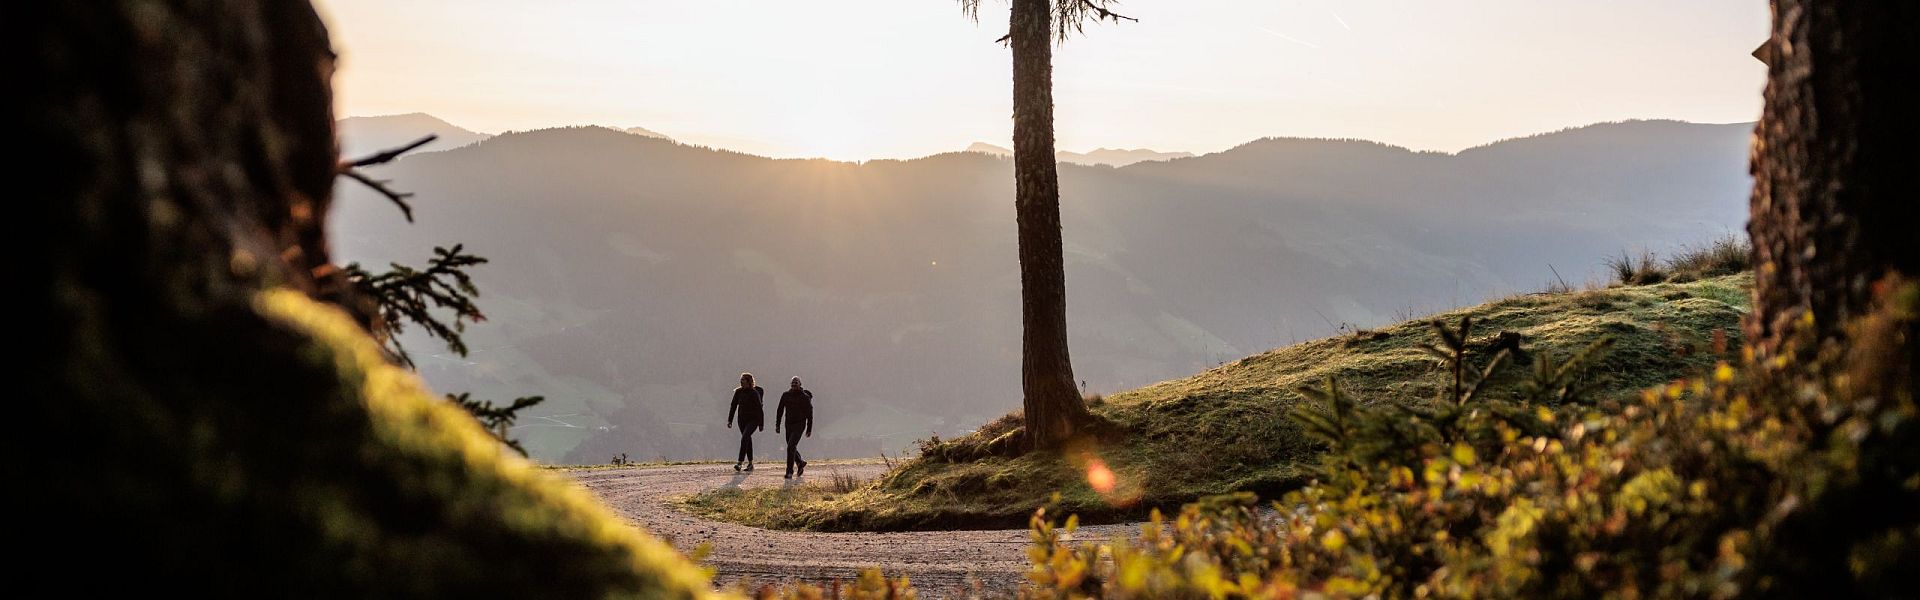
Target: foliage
406,295
1793,476
498,419
872,585
1069,16
1404,432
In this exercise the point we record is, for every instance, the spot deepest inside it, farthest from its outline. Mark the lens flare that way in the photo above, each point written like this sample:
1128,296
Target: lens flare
1099,477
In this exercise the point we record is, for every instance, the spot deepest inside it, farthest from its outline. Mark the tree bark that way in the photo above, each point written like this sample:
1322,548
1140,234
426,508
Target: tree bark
1836,197
1052,402
200,414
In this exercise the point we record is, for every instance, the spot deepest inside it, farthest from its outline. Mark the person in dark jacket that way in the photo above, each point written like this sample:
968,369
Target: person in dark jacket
750,402
796,412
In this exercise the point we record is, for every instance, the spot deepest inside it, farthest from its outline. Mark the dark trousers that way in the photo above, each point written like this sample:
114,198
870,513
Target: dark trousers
746,444
793,448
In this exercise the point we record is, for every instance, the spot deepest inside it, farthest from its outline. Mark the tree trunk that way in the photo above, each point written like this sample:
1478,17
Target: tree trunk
1052,402
1836,196
199,415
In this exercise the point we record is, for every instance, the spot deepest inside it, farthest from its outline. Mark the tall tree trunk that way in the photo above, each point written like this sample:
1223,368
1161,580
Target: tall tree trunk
1836,201
202,416
1052,402
1836,196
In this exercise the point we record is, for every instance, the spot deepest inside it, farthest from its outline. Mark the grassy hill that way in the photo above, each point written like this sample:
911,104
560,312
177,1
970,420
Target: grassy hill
1226,429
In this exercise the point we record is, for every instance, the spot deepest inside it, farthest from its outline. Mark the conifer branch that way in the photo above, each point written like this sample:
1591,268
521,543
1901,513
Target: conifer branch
1104,13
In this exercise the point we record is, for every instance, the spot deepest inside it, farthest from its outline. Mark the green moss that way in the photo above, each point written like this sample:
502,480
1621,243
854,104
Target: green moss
273,449
1225,430
480,487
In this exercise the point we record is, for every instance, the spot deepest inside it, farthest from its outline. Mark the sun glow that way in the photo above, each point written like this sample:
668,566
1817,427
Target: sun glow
824,125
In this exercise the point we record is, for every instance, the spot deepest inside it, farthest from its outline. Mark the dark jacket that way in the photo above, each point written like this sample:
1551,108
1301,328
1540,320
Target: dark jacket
751,405
796,410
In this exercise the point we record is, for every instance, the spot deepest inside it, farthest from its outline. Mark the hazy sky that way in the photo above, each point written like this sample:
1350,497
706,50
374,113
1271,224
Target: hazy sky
857,79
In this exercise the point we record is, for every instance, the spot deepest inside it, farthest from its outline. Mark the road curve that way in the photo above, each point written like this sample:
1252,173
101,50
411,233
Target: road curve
936,562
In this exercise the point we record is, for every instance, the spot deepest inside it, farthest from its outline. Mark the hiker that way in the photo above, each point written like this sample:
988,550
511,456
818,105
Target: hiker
796,412
750,401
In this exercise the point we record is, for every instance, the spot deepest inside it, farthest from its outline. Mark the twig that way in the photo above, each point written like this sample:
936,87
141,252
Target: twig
399,198
1106,14
350,169
385,156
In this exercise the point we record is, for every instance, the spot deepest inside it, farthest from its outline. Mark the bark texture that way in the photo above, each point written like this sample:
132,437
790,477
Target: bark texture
203,416
1836,165
1052,402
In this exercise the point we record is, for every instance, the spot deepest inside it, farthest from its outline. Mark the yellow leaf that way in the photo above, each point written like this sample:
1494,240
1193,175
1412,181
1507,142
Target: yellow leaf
1334,540
1463,454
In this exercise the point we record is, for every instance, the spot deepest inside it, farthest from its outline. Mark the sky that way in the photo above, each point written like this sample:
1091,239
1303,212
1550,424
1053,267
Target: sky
865,79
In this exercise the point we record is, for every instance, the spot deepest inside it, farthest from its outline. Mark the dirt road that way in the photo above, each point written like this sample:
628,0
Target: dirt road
937,562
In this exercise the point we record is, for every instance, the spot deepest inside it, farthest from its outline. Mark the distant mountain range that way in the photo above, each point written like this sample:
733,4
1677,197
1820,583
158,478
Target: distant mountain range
633,278
642,131
1102,156
361,136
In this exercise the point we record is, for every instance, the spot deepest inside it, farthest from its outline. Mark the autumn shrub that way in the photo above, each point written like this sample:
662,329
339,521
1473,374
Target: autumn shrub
871,585
1796,475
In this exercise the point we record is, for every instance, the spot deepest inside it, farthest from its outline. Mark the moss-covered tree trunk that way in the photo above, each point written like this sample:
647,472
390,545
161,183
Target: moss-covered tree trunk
1836,164
1052,402
199,414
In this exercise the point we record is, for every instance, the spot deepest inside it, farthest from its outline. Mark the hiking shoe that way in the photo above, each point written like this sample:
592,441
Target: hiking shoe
736,467
803,468
787,476
749,466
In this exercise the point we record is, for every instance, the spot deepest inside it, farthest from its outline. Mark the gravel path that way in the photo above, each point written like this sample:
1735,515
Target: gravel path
938,563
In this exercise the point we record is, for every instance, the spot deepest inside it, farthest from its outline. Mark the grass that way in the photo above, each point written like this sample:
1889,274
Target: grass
763,507
632,465
1225,430
675,463
1726,255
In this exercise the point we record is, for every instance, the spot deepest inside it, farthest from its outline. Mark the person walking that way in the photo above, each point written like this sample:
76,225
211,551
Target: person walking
796,412
750,402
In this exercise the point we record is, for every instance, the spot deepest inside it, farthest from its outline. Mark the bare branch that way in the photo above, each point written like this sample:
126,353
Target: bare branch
399,198
350,168
388,155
